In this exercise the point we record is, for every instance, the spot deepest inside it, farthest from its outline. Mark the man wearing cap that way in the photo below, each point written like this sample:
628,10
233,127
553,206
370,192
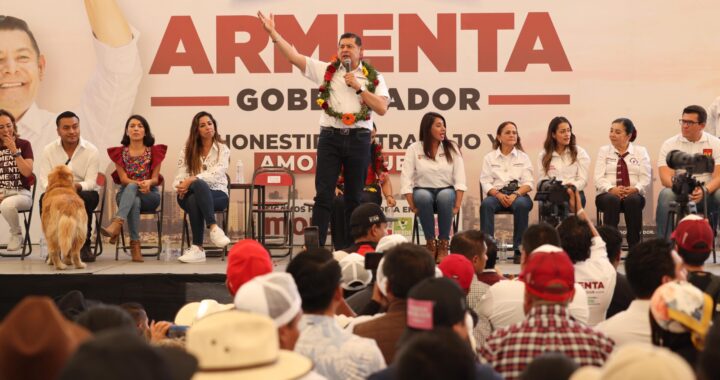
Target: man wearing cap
549,279
694,242
246,260
367,226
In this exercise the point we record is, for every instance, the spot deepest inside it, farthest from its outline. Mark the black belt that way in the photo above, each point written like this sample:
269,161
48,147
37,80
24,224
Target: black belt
343,131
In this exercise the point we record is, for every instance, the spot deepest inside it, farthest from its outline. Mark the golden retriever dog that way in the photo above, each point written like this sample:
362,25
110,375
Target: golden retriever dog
64,220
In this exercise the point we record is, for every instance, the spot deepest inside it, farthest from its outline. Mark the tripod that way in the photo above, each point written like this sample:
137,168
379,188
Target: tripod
681,207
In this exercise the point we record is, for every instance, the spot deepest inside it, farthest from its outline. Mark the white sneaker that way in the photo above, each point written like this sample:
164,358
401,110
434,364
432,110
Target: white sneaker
194,254
217,237
15,242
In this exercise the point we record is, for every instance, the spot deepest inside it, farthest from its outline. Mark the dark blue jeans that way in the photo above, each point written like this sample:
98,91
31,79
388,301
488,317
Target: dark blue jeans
336,149
201,203
520,209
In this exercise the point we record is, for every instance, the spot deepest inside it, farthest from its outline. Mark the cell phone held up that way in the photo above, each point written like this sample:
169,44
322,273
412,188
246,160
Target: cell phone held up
312,237
177,331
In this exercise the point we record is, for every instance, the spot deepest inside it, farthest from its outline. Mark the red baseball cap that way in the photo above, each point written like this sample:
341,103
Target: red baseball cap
694,234
457,267
246,260
549,274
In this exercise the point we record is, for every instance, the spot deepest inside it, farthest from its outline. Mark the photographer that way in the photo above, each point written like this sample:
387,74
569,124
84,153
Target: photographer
692,140
506,178
622,174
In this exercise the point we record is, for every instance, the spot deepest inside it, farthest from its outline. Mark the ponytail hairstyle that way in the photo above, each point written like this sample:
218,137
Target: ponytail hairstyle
629,127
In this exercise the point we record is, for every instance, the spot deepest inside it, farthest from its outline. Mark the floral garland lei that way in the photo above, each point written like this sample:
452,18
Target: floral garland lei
347,118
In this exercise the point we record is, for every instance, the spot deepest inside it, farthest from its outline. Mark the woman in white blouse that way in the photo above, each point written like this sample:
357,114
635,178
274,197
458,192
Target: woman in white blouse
433,179
506,179
201,183
622,174
562,159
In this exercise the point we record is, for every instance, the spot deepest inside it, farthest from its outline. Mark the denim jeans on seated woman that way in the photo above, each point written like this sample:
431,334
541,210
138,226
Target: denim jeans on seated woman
131,202
429,200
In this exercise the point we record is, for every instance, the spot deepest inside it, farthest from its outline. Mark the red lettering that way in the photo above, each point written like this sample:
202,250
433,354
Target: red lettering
440,50
322,34
180,29
358,24
487,26
538,26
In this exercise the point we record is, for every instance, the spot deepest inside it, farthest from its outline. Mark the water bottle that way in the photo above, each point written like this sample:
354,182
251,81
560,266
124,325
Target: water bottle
166,250
239,172
43,248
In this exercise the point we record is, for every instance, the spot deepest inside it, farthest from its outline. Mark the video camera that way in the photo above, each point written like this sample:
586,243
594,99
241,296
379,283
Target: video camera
510,187
555,200
683,183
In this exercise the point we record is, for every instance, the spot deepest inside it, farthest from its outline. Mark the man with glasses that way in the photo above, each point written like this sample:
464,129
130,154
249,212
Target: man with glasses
692,139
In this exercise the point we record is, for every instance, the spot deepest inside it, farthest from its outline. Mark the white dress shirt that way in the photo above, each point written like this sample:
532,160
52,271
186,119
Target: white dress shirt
713,115
503,304
597,276
421,171
564,169
106,103
214,168
708,144
498,170
83,163
638,165
343,98
629,326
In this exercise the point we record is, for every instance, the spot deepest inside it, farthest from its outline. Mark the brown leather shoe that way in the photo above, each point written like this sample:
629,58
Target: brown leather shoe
113,230
135,251
442,249
431,246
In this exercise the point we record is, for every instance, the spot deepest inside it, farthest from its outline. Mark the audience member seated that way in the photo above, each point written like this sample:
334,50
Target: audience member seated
192,312
502,305
694,243
708,367
549,279
490,274
118,354
137,170
681,315
246,260
439,354
459,269
586,249
648,265
638,361
336,353
201,184
240,345
354,275
16,155
153,332
549,366
367,227
36,340
403,267
623,294
105,317
73,303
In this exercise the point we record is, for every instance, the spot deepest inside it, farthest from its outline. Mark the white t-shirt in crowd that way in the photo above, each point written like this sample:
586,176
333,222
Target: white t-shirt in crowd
597,276
629,326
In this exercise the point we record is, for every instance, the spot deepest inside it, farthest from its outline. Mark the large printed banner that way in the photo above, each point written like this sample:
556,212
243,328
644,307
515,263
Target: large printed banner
477,62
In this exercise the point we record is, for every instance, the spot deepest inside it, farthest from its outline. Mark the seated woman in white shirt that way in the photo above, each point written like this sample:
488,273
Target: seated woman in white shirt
562,159
201,184
622,175
506,179
433,179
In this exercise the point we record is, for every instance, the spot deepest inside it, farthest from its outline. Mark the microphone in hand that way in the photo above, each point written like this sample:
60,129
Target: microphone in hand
346,64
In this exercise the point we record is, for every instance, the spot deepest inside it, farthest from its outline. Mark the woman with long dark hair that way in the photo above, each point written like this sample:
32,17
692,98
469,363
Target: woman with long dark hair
201,183
433,180
622,175
563,160
137,171
506,178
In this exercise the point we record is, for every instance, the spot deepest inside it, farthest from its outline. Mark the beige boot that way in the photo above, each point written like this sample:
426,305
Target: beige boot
431,246
135,251
442,249
113,230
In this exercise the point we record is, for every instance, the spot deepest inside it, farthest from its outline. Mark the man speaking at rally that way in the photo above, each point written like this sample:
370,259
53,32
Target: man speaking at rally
351,91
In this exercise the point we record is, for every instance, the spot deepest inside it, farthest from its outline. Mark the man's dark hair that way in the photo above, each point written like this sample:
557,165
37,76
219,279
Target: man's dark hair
356,232
136,311
537,235
14,23
358,40
406,265
66,114
575,238
105,317
317,276
695,259
468,243
438,354
550,365
492,251
613,241
646,264
698,110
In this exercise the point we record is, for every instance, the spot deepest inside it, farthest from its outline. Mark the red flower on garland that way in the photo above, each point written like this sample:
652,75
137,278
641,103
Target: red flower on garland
331,69
328,76
322,88
324,105
348,119
375,82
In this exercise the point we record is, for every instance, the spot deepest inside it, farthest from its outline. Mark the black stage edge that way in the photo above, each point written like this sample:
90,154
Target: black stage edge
161,294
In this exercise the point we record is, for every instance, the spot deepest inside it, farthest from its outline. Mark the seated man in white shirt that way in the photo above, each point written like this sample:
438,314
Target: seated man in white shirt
503,302
648,265
692,139
82,158
593,270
